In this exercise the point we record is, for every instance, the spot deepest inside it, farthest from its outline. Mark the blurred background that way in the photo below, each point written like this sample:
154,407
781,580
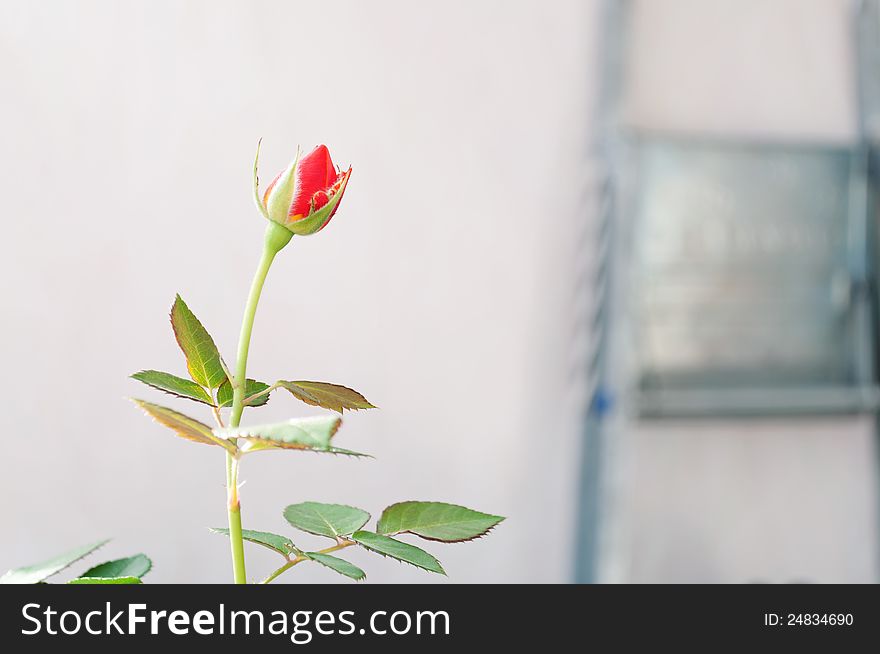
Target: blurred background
606,267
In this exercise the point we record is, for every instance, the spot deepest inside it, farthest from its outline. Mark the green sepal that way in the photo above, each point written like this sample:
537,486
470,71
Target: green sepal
281,196
257,199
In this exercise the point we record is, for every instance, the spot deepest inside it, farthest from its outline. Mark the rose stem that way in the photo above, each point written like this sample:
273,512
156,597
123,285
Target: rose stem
276,238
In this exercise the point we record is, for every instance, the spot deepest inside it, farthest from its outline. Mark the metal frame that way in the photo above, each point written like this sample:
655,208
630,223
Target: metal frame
613,400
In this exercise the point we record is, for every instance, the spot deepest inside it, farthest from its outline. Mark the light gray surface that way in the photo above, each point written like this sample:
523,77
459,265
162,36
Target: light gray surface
753,501
778,69
439,290
443,289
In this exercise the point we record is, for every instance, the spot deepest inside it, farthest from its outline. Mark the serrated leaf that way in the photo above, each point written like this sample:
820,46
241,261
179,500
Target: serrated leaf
343,452
105,580
336,564
312,433
281,544
174,385
449,523
327,396
398,550
224,393
33,574
184,426
251,445
330,520
202,357
132,566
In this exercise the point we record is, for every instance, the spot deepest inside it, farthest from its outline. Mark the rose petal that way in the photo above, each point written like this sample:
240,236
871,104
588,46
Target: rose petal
315,172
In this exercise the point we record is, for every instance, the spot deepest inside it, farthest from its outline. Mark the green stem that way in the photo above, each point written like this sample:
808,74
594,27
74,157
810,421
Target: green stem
276,238
244,340
233,510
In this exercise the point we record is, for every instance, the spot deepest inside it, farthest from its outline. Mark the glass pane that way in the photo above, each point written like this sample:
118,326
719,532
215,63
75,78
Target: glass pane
741,265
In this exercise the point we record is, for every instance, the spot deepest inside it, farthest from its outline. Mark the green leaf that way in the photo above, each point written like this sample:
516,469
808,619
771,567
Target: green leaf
327,396
173,384
133,566
398,550
202,358
105,580
330,520
336,564
184,426
251,445
297,434
449,523
342,451
224,393
281,544
33,574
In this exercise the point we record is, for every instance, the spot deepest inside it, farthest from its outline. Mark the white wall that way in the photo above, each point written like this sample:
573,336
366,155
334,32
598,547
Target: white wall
752,501
776,69
441,289
445,289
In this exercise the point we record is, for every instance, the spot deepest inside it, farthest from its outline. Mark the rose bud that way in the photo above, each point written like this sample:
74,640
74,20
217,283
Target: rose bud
304,197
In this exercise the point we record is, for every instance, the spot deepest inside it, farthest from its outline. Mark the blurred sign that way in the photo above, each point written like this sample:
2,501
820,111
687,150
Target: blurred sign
748,265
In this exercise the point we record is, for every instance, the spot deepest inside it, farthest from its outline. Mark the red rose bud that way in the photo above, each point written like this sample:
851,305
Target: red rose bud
304,197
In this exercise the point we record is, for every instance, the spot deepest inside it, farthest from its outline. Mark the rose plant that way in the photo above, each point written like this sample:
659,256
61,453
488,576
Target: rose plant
300,201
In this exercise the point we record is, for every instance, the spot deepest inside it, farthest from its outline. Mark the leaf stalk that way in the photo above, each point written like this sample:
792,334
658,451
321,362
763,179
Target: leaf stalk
302,557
